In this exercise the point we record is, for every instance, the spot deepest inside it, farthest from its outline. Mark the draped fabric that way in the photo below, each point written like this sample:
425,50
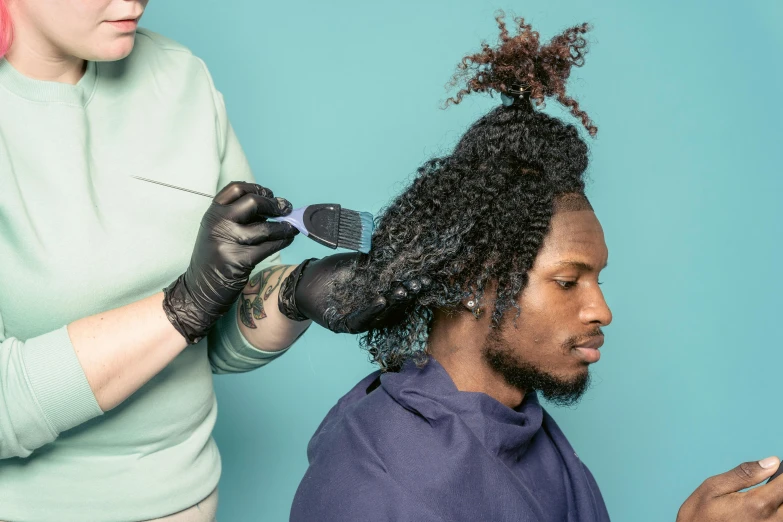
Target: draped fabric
417,449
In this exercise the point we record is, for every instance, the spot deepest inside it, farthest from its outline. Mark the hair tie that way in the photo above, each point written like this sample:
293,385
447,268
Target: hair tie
515,95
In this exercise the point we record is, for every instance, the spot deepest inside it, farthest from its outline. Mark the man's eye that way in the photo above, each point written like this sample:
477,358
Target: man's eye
567,285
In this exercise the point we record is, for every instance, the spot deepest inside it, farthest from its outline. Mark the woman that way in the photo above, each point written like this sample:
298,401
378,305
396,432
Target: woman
106,403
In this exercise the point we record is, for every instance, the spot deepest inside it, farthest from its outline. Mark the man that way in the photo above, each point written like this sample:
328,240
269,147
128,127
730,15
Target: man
453,430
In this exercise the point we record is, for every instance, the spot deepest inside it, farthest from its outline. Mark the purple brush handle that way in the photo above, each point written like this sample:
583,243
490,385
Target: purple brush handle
295,218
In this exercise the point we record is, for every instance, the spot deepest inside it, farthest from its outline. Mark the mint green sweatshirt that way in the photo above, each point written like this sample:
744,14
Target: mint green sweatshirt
79,236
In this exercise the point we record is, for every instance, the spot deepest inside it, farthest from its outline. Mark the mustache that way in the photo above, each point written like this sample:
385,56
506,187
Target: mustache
576,340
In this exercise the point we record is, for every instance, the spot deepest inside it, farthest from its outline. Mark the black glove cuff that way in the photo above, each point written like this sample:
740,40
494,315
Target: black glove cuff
286,298
178,306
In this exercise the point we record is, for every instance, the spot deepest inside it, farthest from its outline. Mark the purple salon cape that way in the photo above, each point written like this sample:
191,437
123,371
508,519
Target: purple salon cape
416,449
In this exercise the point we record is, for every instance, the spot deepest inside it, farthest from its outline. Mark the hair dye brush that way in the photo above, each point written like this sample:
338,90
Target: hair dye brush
327,223
333,226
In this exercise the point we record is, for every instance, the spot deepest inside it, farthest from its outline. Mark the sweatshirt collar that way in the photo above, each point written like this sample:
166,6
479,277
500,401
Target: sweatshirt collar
49,91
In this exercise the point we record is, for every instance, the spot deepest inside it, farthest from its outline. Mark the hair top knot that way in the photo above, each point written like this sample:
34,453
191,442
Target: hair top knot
520,62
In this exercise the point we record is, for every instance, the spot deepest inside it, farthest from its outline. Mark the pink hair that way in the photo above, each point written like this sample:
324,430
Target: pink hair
6,29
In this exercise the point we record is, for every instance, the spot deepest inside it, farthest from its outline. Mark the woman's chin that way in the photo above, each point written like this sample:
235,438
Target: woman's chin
115,50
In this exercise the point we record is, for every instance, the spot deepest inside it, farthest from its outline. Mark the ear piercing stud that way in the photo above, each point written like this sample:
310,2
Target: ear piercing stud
473,304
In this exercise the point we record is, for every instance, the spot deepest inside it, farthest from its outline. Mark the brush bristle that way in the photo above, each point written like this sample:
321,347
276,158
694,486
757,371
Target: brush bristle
355,230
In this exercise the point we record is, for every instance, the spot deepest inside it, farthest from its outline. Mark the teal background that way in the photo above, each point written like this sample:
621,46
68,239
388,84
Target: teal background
339,101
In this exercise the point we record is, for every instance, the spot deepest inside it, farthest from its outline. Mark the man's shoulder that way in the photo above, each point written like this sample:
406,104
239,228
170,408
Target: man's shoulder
365,406
365,420
355,456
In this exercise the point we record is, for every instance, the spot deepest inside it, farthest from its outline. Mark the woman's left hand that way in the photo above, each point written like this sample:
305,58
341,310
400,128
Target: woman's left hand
305,295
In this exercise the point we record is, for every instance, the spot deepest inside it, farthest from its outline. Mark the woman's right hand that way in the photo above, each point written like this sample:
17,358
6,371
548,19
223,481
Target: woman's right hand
233,238
721,499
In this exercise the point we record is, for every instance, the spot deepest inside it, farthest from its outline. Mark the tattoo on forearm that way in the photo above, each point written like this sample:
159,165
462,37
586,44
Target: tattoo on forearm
258,290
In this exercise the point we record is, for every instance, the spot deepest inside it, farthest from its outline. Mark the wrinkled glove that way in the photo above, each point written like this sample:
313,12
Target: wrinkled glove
304,295
233,238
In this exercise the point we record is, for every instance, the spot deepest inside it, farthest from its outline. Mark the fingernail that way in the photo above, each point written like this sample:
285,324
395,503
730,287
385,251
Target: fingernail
284,205
768,462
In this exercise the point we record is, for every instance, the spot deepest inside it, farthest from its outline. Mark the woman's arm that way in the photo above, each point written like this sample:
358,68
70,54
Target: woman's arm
254,332
120,350
258,315
58,380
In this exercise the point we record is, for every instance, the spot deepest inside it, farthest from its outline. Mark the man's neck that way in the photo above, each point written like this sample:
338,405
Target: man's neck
35,57
456,342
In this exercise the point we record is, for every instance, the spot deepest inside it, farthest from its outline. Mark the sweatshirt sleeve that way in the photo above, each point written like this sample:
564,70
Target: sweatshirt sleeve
229,351
43,391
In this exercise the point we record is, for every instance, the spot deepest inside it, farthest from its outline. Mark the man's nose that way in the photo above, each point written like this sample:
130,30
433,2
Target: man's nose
596,311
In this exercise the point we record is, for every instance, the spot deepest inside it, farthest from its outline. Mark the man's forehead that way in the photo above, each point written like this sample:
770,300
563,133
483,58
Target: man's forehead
574,236
571,202
573,223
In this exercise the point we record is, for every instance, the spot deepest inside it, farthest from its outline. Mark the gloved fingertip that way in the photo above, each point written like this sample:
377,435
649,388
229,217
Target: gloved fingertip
280,244
289,229
284,205
399,293
413,285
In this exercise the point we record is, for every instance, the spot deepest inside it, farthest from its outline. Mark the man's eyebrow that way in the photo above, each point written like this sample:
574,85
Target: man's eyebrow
579,265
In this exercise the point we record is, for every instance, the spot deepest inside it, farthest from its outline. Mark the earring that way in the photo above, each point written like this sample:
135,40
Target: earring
474,304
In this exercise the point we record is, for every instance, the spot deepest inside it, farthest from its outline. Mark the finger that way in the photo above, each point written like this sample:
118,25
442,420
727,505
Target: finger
768,497
266,249
743,476
425,281
259,233
254,208
236,189
397,296
413,286
363,319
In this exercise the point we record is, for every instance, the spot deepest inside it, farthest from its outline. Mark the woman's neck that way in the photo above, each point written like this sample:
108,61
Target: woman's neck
35,57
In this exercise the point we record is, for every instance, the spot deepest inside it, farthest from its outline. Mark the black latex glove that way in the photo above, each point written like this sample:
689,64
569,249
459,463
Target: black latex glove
304,295
233,238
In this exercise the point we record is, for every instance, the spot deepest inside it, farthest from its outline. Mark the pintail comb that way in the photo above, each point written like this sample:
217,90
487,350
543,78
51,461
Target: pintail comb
327,223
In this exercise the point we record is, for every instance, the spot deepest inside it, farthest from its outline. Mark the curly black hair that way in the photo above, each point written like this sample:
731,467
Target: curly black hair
480,214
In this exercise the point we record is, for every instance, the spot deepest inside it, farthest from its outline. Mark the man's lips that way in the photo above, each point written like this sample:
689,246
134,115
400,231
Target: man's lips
594,343
588,350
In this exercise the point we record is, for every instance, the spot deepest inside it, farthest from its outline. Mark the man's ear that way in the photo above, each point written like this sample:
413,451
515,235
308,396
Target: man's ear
483,304
473,305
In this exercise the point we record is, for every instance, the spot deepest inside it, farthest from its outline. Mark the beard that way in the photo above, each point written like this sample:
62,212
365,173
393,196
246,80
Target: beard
526,376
